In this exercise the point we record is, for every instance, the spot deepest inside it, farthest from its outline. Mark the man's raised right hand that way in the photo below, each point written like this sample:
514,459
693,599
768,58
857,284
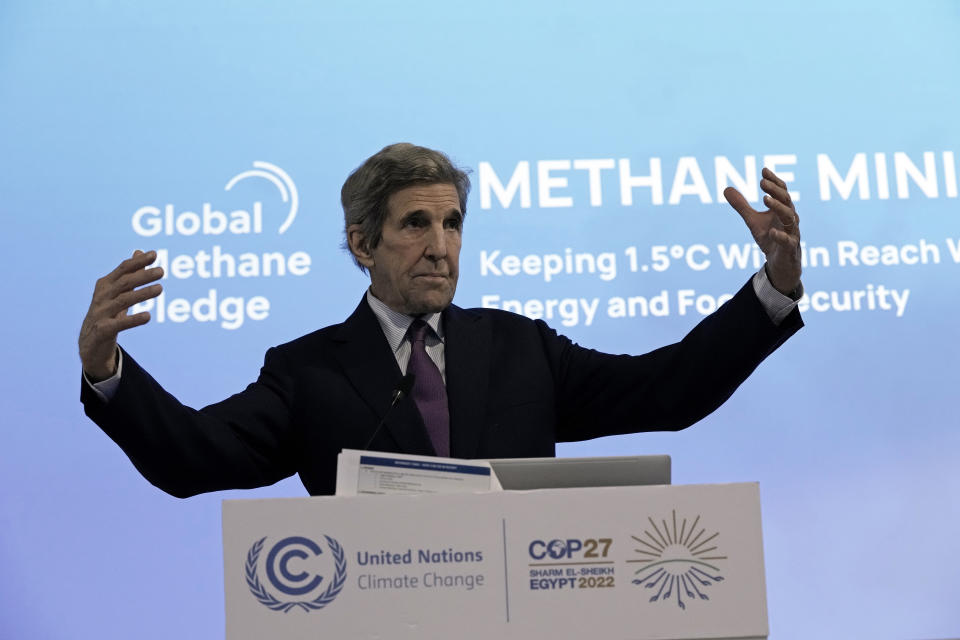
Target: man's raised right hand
107,316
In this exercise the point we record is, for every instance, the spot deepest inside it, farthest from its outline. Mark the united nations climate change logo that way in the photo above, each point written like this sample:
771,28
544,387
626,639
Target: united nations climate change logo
290,568
677,561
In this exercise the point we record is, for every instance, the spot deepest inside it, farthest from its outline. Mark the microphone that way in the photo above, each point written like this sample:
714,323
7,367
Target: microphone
401,391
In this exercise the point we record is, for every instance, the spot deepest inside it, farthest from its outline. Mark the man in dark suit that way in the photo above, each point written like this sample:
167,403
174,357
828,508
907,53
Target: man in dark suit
487,383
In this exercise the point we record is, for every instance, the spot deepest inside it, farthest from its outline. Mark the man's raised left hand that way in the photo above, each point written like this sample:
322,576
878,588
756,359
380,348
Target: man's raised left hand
776,230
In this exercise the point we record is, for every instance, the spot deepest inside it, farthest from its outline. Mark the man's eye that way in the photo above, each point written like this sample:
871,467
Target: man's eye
454,223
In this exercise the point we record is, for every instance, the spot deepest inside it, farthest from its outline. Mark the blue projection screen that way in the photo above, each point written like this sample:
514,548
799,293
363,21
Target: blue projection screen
600,135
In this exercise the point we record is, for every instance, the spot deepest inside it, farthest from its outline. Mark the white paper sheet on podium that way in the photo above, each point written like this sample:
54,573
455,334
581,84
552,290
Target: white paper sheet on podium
372,472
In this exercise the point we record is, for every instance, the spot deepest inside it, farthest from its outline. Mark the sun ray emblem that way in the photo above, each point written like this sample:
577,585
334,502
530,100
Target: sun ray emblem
677,560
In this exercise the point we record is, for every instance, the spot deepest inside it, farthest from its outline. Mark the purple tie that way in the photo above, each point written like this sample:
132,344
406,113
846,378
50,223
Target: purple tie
429,392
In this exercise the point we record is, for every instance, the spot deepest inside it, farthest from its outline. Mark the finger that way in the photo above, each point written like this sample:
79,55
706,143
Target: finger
105,293
138,260
774,178
786,215
123,302
116,325
776,191
137,278
738,202
784,239
105,330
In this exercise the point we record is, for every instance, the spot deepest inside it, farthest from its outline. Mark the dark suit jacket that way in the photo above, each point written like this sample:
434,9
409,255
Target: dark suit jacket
515,388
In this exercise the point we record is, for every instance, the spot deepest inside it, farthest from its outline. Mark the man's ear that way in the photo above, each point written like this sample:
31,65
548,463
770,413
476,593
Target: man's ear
359,247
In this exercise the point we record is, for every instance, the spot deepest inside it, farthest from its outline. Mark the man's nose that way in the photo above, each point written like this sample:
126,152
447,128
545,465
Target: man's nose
436,248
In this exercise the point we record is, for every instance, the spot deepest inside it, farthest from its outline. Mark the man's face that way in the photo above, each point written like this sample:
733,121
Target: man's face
415,266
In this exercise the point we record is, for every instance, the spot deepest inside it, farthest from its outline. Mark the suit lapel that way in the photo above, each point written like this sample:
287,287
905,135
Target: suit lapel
372,369
468,341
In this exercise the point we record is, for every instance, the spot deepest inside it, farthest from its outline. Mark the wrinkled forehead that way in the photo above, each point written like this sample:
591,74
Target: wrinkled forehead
434,198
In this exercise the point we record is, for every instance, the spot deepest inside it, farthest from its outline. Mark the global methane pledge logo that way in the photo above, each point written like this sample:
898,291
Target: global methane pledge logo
299,569
236,254
677,561
280,179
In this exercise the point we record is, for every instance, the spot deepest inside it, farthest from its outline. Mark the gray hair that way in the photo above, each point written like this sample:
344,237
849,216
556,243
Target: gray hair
366,191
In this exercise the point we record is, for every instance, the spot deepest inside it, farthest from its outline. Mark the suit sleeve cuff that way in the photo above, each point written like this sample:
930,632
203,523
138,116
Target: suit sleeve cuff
777,305
106,389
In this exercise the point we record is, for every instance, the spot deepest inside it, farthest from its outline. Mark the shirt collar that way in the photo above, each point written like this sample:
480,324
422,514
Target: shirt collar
396,324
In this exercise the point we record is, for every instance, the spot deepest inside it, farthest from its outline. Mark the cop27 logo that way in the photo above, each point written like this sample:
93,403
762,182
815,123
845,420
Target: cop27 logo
287,568
677,561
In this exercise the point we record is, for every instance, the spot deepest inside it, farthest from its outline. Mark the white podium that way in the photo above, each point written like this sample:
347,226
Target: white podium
650,563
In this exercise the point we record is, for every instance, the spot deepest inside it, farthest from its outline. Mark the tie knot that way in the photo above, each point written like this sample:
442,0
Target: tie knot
418,330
